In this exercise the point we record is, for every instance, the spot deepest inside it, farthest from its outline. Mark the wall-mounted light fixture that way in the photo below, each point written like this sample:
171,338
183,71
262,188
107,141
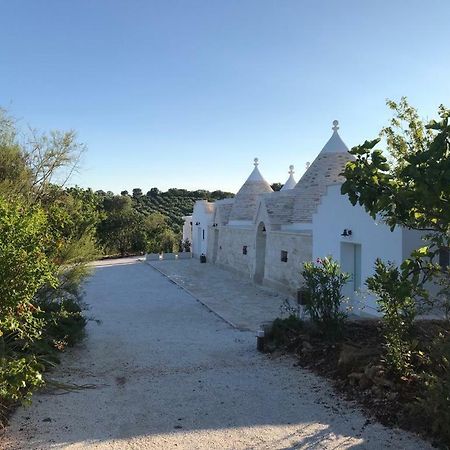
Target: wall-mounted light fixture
214,225
197,223
347,233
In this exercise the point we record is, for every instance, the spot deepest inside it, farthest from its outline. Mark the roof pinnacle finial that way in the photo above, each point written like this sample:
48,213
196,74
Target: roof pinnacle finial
291,170
335,125
256,162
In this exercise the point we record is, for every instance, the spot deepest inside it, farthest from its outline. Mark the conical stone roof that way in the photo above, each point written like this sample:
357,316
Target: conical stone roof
290,183
324,171
245,201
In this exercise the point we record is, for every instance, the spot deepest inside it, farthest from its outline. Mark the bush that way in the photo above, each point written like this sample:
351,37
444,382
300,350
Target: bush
19,377
65,323
24,269
282,330
186,245
396,300
323,284
39,309
434,402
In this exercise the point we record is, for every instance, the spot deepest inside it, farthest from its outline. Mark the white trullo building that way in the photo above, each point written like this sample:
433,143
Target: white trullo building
267,235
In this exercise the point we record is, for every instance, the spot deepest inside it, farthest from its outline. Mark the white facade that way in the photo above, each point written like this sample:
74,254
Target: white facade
355,240
202,219
187,229
268,236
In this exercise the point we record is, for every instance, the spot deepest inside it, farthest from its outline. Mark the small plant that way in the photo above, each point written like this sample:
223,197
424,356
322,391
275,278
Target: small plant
186,244
396,294
434,401
323,285
65,323
19,376
286,309
443,297
283,330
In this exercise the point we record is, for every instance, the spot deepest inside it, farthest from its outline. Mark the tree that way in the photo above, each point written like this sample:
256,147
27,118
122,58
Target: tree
73,215
53,157
407,186
218,195
46,236
137,193
153,192
168,241
276,186
159,236
155,225
30,166
15,175
24,266
24,269
117,203
186,245
122,230
410,186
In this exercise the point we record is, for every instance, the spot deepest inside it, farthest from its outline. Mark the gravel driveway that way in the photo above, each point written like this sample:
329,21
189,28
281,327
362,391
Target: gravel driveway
165,373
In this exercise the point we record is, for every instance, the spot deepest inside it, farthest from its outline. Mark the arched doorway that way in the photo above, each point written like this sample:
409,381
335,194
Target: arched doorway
260,262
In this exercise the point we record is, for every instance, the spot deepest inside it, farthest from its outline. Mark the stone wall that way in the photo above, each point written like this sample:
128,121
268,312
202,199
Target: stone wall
230,249
280,275
285,276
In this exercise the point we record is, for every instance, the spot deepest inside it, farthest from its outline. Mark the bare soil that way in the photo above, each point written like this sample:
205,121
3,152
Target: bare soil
356,368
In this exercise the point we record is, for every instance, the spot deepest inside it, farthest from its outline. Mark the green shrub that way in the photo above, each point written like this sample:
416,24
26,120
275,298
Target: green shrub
65,322
39,309
396,293
434,402
282,330
19,377
323,284
24,268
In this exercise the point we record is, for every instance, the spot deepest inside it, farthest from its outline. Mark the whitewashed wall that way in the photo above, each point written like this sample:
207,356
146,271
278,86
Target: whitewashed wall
203,215
334,214
187,228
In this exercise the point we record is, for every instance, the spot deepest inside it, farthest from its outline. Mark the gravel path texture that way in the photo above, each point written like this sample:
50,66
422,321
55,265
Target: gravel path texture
165,373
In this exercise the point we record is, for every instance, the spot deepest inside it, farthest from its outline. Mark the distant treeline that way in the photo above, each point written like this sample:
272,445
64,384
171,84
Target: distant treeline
174,203
151,222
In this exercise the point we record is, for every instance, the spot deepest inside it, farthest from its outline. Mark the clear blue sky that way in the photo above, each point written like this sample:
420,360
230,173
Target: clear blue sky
186,93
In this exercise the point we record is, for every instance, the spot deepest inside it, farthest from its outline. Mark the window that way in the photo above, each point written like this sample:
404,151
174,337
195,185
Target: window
444,257
244,250
284,255
203,234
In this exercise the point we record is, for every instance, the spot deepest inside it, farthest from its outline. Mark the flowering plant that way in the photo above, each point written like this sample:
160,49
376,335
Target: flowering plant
323,283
